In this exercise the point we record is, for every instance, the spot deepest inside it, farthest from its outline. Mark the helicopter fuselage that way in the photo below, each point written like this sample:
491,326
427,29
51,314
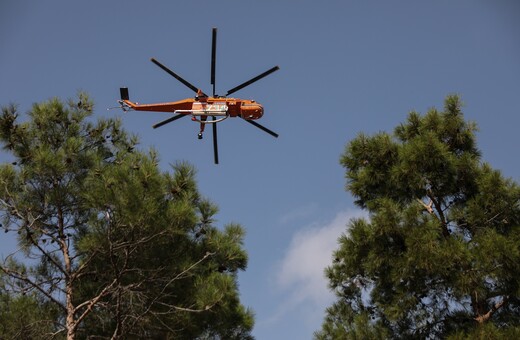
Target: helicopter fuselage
209,106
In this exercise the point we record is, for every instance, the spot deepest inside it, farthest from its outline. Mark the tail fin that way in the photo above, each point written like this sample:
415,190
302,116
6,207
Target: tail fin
124,93
124,102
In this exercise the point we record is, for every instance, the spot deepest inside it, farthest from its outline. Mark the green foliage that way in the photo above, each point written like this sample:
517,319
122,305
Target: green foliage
440,255
24,316
116,247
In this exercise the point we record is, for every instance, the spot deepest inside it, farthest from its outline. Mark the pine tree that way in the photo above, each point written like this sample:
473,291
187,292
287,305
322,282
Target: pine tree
24,316
116,247
439,256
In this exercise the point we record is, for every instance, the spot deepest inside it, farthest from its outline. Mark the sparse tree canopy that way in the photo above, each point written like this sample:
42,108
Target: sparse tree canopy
109,246
439,256
24,316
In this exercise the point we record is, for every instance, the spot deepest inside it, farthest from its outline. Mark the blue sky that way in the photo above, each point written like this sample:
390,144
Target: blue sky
345,67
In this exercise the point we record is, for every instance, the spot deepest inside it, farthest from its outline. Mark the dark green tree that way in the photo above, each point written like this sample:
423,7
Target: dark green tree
109,243
439,256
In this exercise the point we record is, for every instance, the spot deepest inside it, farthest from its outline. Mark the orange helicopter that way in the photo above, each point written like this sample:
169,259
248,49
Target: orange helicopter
202,106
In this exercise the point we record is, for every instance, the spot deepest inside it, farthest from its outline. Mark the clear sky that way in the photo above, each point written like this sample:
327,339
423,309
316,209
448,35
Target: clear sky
345,67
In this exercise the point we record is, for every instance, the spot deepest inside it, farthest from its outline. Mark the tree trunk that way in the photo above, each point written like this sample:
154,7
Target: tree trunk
70,323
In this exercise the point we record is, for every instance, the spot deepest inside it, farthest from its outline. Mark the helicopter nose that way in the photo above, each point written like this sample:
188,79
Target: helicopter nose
252,111
259,111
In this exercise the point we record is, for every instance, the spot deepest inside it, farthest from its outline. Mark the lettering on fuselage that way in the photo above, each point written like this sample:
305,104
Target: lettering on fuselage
215,109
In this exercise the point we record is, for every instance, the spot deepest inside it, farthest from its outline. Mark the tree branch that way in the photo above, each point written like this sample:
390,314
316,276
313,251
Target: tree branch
485,317
434,203
18,276
161,293
428,206
89,304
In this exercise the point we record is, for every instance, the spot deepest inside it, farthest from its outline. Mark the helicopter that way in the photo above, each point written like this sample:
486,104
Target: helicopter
202,107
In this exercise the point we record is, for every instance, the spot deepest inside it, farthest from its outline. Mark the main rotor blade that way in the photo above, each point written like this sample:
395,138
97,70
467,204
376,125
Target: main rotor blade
175,75
261,127
169,120
215,146
251,81
213,57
